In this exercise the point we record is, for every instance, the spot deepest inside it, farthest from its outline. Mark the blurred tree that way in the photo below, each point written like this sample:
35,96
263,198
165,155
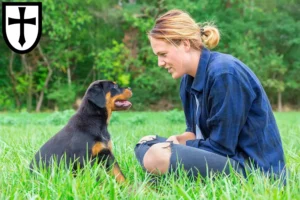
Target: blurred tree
87,40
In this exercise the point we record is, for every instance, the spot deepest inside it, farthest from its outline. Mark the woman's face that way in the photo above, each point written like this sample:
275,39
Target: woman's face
169,56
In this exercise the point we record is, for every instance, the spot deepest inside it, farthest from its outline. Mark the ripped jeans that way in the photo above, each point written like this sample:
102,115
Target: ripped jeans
195,161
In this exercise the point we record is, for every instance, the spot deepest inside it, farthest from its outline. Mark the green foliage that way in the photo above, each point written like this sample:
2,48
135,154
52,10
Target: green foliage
63,95
274,74
6,101
138,120
87,40
58,118
7,121
135,120
114,63
12,120
153,85
55,119
175,117
67,22
150,83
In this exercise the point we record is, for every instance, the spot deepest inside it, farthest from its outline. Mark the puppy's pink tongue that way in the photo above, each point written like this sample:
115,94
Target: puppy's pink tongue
123,103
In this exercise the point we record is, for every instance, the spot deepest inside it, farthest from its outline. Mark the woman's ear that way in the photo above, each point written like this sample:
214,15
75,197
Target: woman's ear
186,45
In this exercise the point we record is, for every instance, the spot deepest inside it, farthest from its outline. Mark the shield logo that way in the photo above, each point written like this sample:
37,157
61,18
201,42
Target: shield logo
22,25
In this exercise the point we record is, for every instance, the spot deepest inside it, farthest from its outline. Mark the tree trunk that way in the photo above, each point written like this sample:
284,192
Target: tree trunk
69,76
41,96
279,103
13,81
28,70
94,74
91,73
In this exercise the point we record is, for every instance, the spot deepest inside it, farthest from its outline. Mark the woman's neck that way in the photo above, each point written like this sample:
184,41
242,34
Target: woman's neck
194,62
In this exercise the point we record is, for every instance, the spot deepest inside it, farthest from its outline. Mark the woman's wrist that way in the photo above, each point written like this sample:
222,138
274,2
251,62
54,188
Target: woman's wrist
185,136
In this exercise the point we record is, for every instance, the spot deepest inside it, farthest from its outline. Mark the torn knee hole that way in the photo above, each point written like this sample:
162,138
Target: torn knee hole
165,145
168,146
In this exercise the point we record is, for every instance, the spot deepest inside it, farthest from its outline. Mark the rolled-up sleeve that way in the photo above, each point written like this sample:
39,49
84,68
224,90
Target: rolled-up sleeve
229,101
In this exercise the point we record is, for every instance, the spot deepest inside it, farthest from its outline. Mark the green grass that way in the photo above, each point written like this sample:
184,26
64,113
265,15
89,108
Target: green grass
22,134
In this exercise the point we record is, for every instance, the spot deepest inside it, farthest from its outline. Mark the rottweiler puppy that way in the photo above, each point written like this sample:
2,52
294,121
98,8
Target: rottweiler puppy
85,137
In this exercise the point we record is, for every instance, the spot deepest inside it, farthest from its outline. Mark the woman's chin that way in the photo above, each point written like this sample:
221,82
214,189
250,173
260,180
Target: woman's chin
176,75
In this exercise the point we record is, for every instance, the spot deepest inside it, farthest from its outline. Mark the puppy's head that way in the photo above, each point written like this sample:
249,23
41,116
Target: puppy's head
107,94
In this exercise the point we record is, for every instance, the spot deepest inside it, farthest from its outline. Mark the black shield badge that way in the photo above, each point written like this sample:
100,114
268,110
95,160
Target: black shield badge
22,25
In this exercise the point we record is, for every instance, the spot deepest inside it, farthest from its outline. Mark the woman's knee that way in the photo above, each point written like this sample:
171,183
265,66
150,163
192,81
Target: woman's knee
157,158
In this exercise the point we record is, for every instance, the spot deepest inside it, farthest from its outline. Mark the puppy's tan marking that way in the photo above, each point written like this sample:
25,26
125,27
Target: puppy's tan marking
108,106
124,96
116,172
110,102
97,148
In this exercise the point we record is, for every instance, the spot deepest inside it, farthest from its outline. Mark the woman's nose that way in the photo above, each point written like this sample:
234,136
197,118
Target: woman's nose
161,63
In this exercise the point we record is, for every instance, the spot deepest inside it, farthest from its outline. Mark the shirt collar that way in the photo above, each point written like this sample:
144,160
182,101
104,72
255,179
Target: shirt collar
197,82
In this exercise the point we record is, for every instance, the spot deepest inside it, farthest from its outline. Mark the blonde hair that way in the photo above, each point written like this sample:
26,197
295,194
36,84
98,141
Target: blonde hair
177,25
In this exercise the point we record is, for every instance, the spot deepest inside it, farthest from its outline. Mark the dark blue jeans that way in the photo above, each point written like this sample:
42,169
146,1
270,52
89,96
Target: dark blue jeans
195,161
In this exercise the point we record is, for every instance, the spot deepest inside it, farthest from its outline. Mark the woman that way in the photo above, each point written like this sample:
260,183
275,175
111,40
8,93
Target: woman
228,115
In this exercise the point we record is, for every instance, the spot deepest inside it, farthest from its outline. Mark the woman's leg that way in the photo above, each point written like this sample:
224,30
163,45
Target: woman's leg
150,142
160,157
196,161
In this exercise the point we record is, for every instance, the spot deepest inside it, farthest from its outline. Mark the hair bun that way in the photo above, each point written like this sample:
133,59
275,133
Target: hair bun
210,36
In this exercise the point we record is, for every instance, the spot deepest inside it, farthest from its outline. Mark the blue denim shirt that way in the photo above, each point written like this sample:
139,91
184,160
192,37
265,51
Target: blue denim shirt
234,115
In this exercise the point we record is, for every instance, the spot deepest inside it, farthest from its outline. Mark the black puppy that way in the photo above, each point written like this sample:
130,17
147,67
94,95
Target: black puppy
86,137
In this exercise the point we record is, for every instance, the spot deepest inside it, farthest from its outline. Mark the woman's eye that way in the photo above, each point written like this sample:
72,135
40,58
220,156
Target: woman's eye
162,55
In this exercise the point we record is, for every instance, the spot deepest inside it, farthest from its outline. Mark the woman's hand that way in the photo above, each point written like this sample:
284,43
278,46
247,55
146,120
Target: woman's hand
147,138
181,139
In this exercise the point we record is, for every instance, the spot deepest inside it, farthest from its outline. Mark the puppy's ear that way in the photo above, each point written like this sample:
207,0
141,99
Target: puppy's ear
97,97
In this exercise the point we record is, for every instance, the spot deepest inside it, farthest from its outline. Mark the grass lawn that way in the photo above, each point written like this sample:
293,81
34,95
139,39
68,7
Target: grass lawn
22,134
